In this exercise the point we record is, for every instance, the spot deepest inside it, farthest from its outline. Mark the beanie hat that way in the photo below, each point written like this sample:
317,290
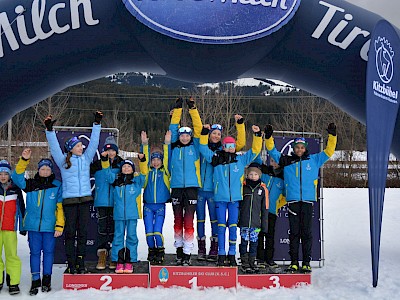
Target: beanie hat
228,140
186,130
110,144
45,162
299,140
156,155
128,162
254,167
5,167
70,143
216,127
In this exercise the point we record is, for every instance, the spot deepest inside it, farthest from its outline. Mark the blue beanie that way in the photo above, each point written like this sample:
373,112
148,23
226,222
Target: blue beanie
70,143
156,155
128,162
5,167
45,162
110,144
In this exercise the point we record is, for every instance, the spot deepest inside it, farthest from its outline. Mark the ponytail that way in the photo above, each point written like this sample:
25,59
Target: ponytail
68,160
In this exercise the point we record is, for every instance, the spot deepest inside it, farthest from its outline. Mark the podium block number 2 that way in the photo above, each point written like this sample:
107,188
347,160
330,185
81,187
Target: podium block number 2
106,285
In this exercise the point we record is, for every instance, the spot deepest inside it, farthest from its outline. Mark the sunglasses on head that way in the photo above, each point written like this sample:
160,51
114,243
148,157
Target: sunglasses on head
186,130
230,146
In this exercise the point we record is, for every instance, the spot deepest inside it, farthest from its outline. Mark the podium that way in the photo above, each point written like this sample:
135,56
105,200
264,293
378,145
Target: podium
201,274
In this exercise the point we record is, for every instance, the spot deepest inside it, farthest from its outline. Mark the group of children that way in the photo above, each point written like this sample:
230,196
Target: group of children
195,167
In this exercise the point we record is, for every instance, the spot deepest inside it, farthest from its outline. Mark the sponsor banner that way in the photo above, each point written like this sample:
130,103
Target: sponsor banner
382,91
104,282
274,281
214,22
91,247
283,144
193,277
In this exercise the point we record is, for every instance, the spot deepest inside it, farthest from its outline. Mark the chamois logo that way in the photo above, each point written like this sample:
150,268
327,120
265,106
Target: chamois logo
384,59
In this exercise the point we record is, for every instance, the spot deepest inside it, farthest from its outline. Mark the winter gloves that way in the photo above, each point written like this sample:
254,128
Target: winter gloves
268,130
331,129
190,103
98,115
48,122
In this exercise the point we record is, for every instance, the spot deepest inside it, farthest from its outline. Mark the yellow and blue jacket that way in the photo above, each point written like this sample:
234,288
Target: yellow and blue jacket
301,173
157,182
229,169
184,164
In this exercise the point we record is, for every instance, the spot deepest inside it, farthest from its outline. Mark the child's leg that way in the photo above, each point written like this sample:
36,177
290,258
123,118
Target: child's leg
261,246
118,241
270,238
221,217
110,227
244,240
102,234
35,240
213,214
294,226
13,263
82,229
201,214
148,219
49,243
306,230
233,216
1,257
158,225
177,206
190,203
132,239
71,221
253,242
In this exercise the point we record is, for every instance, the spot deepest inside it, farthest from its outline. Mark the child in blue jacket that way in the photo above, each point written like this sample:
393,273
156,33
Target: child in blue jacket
156,194
228,185
43,219
74,165
127,210
104,203
206,192
301,171
272,176
185,178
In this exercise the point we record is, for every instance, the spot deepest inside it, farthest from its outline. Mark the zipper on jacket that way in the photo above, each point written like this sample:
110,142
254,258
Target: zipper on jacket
41,209
301,187
79,176
184,170
251,206
229,178
155,185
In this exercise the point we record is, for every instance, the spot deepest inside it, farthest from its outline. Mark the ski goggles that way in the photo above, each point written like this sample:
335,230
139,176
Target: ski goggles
230,146
185,130
216,127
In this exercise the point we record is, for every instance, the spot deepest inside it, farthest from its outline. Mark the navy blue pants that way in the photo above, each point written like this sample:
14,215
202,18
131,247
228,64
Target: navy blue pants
41,242
203,198
153,217
223,222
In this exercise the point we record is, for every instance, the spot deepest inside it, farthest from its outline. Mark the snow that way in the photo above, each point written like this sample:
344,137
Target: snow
346,274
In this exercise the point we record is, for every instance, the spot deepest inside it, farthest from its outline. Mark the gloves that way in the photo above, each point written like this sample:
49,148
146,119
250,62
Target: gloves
240,121
22,232
49,124
98,115
178,102
331,129
143,159
104,158
205,131
268,130
190,103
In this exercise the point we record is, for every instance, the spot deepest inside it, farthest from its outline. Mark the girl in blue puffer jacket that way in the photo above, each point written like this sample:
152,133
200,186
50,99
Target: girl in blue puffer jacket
43,219
74,165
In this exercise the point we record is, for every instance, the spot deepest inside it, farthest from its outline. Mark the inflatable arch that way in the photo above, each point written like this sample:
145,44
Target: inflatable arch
317,45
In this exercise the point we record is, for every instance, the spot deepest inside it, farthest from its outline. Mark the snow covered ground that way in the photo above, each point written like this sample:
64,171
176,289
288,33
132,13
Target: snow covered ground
346,275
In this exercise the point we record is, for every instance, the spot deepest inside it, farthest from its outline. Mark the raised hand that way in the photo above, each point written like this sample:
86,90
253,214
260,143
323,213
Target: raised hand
331,129
191,103
26,153
239,119
98,116
48,122
255,128
268,130
167,138
144,138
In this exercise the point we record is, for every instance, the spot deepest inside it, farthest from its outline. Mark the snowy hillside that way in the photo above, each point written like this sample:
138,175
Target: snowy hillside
346,275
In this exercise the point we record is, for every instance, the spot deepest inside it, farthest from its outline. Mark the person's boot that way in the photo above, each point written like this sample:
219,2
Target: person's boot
112,265
14,289
213,254
306,268
46,283
252,264
151,255
186,260
80,265
293,267
179,255
71,268
244,259
102,255
36,284
159,256
202,248
128,268
221,261
232,260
